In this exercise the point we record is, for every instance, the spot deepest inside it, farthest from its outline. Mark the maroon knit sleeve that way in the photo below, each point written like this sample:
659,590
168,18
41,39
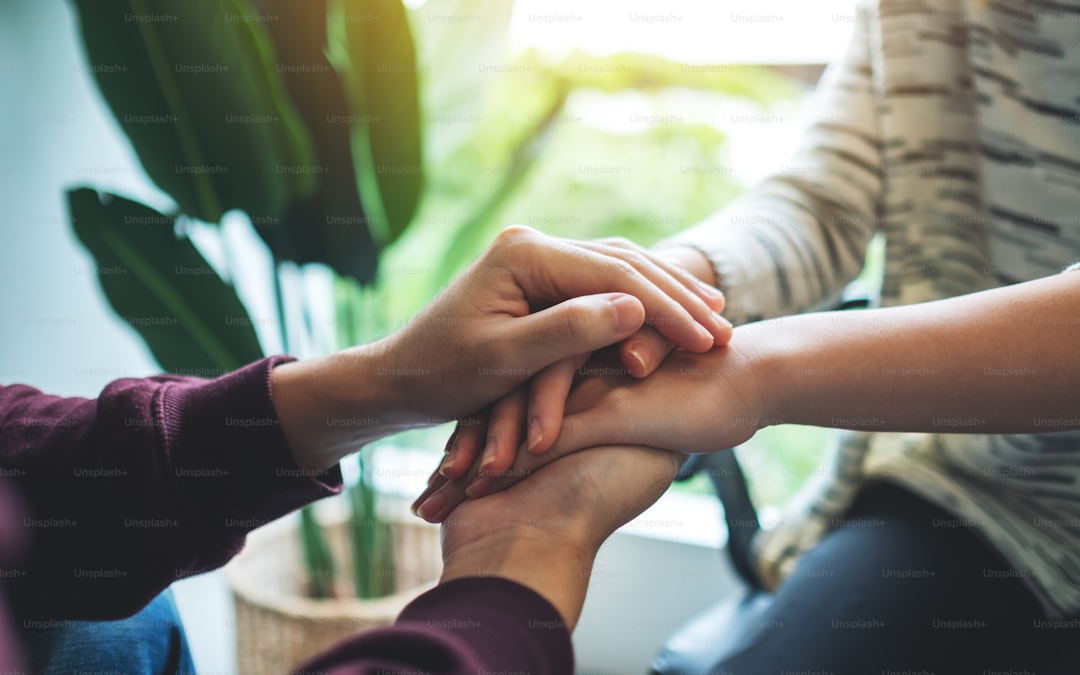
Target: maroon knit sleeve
158,479
463,627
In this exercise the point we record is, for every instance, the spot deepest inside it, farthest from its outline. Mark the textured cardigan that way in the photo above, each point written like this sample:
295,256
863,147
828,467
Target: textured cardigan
952,129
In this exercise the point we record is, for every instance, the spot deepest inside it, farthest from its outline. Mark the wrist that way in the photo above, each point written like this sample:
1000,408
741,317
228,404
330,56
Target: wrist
554,565
331,406
692,260
758,373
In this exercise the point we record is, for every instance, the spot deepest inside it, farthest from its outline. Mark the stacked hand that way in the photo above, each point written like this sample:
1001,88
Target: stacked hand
533,412
691,403
545,532
529,301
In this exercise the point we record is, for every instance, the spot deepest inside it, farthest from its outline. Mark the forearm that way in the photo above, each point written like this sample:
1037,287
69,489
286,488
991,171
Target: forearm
157,479
331,406
1001,361
557,569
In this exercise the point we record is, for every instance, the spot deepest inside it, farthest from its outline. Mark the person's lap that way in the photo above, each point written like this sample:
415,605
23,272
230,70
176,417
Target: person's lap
152,641
897,588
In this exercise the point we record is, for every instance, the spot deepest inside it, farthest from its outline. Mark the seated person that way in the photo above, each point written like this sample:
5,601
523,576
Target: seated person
168,448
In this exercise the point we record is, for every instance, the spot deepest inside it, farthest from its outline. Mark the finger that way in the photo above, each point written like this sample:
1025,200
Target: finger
681,313
547,401
435,483
438,504
644,351
599,425
711,295
572,269
483,485
467,442
577,326
504,432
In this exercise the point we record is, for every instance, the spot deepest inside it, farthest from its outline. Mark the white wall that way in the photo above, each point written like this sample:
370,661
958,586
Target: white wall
58,333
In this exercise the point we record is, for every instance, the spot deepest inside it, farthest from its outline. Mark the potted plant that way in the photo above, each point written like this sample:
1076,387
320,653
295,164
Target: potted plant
284,111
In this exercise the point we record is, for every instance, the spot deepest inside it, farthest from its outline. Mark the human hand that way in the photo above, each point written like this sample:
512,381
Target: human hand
500,322
528,301
535,411
692,403
545,532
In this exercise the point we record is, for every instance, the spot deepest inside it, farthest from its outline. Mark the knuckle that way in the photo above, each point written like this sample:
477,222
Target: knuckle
576,322
512,240
515,233
621,268
618,242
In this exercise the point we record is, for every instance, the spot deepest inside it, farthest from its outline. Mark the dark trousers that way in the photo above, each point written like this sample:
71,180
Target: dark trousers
901,587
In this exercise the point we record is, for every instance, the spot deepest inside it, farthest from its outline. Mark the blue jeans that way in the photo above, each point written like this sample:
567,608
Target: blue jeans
152,641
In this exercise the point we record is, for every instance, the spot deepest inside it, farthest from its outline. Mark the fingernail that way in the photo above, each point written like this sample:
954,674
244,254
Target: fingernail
536,434
720,322
489,456
634,350
710,290
447,463
478,488
452,442
627,313
429,509
705,332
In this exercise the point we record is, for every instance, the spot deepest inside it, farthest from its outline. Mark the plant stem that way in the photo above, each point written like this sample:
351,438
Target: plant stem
317,556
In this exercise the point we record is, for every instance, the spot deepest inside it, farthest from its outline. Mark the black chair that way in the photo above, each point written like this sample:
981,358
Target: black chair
705,640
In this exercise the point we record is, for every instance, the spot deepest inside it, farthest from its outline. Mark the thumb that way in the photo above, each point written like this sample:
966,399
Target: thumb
576,326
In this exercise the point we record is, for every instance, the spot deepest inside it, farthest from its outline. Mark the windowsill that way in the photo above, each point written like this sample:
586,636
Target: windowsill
683,518
401,474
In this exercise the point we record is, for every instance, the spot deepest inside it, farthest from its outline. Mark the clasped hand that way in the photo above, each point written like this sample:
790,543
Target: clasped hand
691,403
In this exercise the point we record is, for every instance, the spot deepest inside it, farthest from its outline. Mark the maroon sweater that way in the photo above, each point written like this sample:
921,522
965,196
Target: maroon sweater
162,478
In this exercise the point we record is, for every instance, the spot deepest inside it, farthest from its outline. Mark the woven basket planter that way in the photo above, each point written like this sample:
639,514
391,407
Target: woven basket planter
278,627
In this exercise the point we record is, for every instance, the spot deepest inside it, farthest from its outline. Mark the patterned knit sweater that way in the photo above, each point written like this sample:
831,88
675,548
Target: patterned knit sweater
953,128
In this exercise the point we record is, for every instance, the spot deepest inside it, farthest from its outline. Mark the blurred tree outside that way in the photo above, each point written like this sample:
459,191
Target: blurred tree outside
629,145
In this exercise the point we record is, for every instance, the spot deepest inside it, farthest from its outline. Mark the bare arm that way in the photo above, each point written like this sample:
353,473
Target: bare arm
999,361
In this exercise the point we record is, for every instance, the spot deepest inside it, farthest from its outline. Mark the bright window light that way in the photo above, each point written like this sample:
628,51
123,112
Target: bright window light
689,31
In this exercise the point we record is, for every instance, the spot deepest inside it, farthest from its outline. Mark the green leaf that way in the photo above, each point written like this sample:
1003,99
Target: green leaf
371,46
374,568
330,226
192,321
194,85
318,560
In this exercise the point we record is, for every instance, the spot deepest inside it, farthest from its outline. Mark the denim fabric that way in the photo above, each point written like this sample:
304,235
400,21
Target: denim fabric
152,641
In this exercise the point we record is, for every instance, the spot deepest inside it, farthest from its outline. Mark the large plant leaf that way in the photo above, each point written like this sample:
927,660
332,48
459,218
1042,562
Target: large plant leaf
160,284
194,85
319,561
329,227
371,46
374,568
